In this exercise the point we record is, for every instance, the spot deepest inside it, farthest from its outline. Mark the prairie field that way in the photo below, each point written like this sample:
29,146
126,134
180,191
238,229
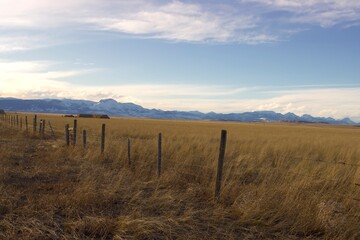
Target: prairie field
280,181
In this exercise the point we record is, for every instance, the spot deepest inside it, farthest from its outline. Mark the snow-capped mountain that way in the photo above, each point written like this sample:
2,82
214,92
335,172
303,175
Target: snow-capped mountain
114,108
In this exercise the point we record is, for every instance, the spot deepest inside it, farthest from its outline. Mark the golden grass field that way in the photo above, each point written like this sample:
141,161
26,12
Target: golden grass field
281,181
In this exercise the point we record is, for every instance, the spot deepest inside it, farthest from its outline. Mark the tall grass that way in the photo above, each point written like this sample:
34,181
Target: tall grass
285,181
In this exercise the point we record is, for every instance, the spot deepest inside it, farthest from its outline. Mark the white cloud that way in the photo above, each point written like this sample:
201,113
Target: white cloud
171,20
21,42
34,78
183,22
174,20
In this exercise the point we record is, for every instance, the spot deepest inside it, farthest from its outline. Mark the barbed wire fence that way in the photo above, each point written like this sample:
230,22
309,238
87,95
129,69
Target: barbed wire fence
70,135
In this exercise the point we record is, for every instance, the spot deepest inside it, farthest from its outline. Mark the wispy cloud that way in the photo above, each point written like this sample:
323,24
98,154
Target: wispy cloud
14,43
22,78
185,22
243,21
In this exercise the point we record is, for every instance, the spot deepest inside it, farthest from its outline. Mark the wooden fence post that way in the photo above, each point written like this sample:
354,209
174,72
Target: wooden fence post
159,156
74,132
43,128
220,163
40,127
35,123
26,123
17,121
129,151
84,138
103,138
21,123
67,135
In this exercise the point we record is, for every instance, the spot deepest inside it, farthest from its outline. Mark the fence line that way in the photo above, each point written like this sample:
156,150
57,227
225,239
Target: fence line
15,121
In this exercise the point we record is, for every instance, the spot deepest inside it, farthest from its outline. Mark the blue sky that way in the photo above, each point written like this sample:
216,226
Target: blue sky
224,56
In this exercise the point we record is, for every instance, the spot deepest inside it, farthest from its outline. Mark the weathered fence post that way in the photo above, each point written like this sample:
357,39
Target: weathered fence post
220,163
35,123
103,138
26,123
40,127
21,123
67,135
74,132
129,151
84,138
17,121
43,128
159,156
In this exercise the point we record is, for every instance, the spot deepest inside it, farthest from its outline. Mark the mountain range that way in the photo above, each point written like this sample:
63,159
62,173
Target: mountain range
114,108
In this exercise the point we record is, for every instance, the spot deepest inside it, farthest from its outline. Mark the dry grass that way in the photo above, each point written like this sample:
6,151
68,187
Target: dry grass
283,181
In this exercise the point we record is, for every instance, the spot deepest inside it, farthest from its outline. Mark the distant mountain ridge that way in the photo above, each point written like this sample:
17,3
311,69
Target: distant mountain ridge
114,108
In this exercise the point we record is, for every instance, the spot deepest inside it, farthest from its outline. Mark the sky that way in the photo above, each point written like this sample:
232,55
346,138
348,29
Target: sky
300,56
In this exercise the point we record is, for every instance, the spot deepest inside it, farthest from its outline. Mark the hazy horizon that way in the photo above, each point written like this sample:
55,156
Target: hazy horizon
194,110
